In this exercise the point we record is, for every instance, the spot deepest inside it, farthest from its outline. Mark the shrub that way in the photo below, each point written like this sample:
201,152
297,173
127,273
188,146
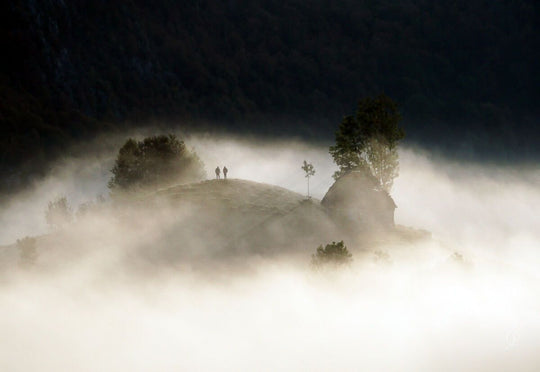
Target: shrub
335,254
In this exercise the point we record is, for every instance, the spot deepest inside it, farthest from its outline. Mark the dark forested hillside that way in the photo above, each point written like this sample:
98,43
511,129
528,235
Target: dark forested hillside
465,71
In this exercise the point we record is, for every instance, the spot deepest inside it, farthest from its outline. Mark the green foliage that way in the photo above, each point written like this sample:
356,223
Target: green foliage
335,254
350,145
154,162
383,162
27,251
58,213
308,168
368,140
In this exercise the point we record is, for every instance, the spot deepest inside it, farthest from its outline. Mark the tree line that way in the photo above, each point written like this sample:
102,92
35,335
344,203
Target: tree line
464,71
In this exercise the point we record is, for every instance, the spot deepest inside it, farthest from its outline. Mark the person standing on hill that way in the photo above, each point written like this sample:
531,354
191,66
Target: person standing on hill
225,171
218,172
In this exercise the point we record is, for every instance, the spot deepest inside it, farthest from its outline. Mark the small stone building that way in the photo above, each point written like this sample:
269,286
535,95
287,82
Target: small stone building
354,201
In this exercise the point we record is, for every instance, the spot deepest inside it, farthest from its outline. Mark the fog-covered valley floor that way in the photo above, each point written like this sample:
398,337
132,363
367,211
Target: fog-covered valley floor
110,294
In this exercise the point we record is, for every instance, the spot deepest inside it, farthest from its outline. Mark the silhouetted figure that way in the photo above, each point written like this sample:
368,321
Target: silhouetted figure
218,172
225,171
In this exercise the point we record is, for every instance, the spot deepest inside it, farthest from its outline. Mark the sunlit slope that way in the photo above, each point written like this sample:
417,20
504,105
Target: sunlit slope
210,221
238,195
229,216
200,222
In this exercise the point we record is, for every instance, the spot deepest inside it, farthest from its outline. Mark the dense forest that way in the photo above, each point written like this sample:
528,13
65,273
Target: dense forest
466,72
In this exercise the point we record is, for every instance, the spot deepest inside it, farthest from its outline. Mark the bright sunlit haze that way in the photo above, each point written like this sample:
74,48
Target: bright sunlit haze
154,286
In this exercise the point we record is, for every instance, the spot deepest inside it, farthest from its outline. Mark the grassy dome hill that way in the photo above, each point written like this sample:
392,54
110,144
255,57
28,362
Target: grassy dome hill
235,194
198,223
195,222
238,215
234,215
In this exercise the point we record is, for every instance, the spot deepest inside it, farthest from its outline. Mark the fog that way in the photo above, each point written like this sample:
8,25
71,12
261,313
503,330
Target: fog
152,287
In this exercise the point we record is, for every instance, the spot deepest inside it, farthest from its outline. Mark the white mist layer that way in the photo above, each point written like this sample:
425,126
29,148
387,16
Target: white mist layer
421,310
281,318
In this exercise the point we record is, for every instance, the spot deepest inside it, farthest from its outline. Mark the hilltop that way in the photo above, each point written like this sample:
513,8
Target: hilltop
236,194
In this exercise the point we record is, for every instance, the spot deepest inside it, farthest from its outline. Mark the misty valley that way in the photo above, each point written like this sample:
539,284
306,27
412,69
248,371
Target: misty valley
269,185
235,273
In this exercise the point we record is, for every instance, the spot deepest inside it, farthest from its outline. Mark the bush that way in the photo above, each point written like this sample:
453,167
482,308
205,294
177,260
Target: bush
335,254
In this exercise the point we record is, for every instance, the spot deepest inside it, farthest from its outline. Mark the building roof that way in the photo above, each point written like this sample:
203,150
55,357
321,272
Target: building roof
355,187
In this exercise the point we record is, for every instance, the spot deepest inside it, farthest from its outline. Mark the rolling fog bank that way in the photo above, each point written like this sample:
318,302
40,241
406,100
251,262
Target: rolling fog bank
143,289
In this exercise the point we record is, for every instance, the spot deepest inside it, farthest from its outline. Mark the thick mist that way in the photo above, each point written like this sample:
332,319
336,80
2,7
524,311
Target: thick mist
164,285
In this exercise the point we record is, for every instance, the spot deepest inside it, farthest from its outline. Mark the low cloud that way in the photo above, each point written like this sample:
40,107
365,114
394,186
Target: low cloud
140,288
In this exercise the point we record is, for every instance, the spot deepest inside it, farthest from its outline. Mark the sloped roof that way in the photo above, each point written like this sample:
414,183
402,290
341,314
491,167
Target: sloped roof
354,186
